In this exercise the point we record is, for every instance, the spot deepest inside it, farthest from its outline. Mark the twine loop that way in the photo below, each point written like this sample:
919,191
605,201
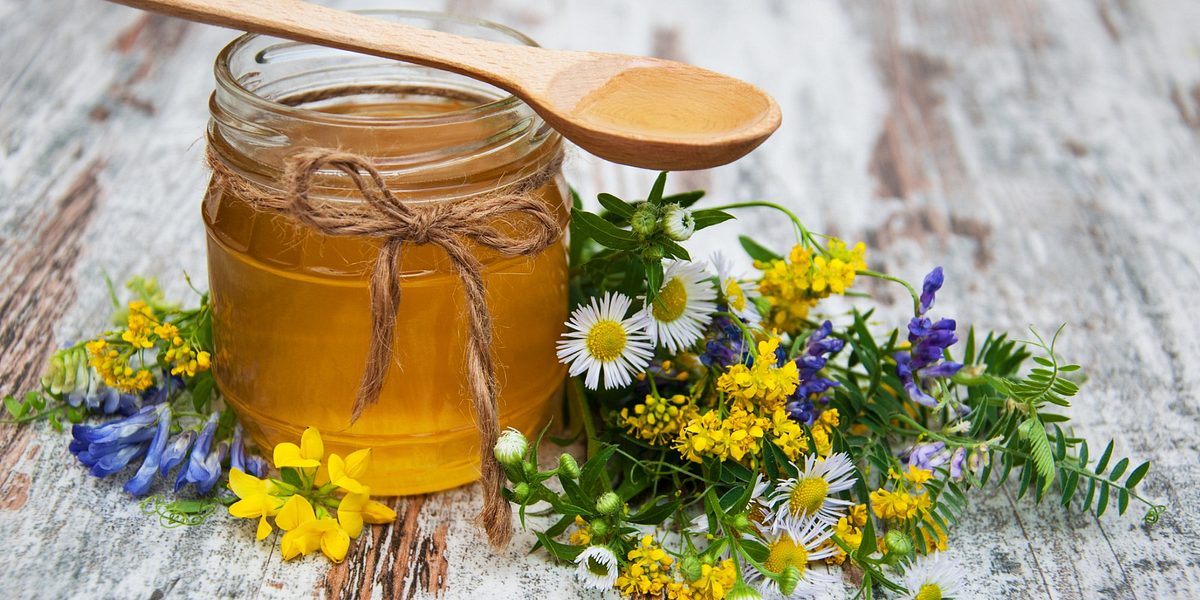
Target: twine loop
447,225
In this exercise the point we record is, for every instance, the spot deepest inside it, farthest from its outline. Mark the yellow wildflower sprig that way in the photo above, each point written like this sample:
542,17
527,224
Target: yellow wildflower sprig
313,517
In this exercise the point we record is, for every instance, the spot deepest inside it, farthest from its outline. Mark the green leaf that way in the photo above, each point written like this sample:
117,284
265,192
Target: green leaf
756,251
1119,469
1102,501
1039,445
1122,501
1104,456
709,217
616,205
654,278
202,391
1136,476
14,407
606,234
867,547
592,471
670,248
684,199
561,552
654,514
291,477
656,192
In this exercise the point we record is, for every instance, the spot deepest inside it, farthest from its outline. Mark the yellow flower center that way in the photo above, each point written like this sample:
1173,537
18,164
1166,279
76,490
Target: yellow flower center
735,295
929,591
785,553
606,340
808,496
671,301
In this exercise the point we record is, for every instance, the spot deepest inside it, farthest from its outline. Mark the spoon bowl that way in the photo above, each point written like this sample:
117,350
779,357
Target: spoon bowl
639,111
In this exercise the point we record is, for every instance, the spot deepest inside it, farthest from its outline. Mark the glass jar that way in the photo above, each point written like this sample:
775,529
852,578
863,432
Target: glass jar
291,310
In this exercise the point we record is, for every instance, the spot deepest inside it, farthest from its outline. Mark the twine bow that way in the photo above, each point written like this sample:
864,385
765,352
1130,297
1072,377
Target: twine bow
447,225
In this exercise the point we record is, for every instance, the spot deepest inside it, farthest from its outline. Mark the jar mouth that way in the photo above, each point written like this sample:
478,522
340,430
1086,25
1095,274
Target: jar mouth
235,85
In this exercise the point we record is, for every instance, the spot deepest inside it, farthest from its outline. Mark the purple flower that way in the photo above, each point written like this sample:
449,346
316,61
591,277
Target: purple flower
927,456
817,350
933,283
956,463
921,365
108,448
196,470
725,344
175,452
252,464
139,485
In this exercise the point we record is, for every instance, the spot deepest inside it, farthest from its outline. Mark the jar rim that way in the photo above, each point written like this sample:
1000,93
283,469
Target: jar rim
226,79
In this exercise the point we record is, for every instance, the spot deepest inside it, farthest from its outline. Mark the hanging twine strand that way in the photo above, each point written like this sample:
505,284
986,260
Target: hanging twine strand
447,225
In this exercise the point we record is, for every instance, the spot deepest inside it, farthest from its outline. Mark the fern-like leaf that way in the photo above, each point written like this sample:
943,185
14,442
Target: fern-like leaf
1034,433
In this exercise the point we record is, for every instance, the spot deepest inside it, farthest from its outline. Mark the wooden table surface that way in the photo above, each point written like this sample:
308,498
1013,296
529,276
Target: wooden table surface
1046,152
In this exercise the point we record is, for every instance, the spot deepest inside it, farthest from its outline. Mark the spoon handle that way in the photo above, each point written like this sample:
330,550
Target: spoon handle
306,22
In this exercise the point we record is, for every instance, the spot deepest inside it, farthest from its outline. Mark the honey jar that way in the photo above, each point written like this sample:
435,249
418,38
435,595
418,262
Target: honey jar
292,310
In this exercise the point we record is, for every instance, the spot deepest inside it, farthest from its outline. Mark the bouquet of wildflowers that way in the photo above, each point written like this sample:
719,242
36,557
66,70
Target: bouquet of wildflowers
740,442
142,398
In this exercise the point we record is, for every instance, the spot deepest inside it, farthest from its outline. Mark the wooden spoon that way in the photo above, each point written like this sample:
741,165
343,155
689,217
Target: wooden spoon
635,110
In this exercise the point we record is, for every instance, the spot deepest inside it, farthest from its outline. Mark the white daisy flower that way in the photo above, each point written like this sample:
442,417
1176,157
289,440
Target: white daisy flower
597,567
683,308
932,577
602,339
797,546
807,495
739,296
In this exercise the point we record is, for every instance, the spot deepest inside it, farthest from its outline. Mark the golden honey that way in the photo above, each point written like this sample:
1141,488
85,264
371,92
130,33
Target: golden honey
291,307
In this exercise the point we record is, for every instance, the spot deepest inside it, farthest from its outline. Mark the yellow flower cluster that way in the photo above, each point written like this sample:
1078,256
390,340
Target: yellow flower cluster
821,429
183,358
849,529
713,584
140,324
901,504
308,528
583,535
113,367
756,414
763,385
659,420
142,330
737,435
793,286
648,571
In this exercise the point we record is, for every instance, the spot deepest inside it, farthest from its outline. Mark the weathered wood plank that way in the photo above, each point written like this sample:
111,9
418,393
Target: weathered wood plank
1046,153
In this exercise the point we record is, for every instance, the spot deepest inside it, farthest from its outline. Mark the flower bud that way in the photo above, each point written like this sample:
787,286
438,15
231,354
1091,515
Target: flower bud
644,220
678,222
568,467
522,493
789,579
691,568
599,528
741,591
511,448
609,504
741,522
898,544
530,470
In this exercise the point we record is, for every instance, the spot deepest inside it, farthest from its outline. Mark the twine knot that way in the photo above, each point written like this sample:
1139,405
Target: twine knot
448,225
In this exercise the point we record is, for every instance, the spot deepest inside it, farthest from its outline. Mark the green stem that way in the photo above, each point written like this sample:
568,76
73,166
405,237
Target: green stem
802,233
911,292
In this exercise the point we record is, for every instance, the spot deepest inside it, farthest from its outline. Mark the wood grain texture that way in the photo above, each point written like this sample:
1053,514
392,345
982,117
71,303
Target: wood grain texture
1046,153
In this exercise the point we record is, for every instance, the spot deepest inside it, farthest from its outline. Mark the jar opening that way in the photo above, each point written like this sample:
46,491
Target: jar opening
430,132
243,69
